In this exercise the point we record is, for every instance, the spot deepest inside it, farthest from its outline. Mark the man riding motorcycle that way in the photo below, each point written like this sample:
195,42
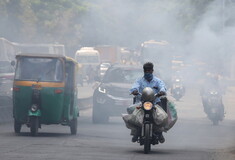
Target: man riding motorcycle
211,84
149,80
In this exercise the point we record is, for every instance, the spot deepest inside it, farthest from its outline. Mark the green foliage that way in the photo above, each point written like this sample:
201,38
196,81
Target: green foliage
86,22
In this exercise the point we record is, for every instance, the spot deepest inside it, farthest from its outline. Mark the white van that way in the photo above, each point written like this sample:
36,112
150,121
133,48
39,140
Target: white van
87,55
87,58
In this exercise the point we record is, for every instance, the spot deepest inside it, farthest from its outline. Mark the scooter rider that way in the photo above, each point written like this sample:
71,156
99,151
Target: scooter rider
211,82
149,80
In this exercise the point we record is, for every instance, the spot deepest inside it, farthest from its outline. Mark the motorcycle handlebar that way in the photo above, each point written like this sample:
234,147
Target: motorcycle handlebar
159,94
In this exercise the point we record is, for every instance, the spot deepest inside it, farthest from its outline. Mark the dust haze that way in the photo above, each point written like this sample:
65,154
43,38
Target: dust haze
203,42
202,36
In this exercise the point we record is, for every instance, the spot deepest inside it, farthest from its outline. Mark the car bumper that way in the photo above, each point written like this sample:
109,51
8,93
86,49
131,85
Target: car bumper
115,106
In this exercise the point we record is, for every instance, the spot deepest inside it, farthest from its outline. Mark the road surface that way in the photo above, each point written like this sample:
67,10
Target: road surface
192,138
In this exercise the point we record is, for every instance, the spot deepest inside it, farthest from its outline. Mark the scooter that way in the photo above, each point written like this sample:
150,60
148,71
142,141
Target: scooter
177,90
213,106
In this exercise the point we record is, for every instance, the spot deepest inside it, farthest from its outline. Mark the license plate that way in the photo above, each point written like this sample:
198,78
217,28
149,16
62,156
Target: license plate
37,86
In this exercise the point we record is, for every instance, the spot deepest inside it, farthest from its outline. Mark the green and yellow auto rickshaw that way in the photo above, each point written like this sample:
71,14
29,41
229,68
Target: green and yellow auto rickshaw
45,92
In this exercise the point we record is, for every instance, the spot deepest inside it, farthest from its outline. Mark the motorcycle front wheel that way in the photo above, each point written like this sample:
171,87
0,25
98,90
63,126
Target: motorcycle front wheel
147,143
215,122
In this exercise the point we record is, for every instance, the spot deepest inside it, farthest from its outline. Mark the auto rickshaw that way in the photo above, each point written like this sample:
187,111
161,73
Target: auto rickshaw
45,92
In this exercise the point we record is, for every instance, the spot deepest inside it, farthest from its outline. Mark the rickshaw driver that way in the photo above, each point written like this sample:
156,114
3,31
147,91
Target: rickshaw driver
49,75
52,73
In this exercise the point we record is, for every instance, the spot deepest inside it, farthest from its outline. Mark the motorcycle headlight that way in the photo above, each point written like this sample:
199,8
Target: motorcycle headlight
177,80
34,108
102,89
148,106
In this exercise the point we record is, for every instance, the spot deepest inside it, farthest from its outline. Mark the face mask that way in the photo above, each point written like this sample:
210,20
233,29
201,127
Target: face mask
148,76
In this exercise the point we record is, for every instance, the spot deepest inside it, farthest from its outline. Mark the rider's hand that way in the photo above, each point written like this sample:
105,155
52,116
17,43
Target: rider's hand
135,92
162,93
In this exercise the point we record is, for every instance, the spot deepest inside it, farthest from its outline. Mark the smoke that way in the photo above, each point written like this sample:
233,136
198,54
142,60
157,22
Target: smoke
129,23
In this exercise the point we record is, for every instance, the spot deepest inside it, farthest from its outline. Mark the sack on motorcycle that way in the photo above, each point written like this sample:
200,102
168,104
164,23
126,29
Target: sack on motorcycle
172,115
136,118
127,118
160,116
132,107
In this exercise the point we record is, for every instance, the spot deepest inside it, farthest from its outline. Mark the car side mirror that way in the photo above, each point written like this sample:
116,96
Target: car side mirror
13,63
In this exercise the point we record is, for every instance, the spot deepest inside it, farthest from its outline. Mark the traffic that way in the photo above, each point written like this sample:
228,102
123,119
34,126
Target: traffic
117,80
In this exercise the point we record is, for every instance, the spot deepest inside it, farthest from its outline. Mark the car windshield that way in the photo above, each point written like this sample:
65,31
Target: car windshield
5,67
119,75
88,59
39,69
104,65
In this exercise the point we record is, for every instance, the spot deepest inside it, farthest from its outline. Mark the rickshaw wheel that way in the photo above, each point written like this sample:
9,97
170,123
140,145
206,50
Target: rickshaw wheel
34,124
73,126
17,126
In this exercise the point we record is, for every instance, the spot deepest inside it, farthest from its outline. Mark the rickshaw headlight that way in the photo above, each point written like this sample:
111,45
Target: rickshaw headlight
148,106
34,108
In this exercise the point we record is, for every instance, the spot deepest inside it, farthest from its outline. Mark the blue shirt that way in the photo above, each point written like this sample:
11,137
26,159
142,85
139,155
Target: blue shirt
156,84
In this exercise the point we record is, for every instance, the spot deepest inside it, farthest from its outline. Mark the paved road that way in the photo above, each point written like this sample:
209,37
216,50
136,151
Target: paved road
192,138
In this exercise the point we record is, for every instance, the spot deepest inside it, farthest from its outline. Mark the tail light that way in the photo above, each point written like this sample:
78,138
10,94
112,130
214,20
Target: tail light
58,91
16,89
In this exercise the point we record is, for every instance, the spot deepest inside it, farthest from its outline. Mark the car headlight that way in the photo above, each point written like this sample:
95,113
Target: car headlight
34,108
102,90
148,106
213,92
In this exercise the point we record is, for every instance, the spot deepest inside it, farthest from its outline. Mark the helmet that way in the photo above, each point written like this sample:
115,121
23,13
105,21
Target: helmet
148,94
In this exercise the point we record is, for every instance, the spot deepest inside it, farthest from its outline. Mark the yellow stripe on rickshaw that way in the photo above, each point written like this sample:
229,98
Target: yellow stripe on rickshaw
42,84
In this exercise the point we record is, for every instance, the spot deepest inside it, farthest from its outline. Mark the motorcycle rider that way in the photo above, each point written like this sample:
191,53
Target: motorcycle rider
177,81
211,82
149,80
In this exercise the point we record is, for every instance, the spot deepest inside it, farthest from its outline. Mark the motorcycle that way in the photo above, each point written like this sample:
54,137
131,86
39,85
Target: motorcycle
177,90
213,106
147,137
